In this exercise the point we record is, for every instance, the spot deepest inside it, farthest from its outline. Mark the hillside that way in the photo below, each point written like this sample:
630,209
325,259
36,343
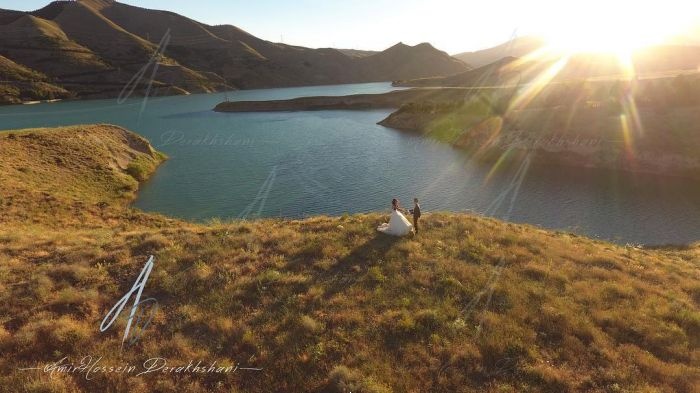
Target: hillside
323,304
93,48
357,52
682,53
667,57
532,65
505,71
40,45
517,47
401,60
68,174
19,84
87,54
648,126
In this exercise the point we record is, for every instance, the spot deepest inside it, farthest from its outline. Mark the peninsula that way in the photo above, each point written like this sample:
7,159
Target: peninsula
617,124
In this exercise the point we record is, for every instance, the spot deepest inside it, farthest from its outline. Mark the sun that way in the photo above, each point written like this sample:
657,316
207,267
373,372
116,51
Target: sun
618,28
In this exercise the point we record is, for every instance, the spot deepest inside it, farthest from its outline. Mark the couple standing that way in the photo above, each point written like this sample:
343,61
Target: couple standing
398,224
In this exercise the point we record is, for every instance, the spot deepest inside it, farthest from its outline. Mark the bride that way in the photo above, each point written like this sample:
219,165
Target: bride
398,224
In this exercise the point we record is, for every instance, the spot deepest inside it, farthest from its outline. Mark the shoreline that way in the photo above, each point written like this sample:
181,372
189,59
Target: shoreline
389,100
483,130
138,95
41,101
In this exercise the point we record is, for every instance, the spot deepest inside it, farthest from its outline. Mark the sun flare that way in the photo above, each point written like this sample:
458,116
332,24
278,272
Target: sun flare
616,28
606,39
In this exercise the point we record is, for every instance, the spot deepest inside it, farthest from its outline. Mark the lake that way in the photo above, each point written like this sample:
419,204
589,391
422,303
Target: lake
295,164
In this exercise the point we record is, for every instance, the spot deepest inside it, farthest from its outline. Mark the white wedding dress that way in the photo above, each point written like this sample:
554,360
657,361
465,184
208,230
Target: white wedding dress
398,225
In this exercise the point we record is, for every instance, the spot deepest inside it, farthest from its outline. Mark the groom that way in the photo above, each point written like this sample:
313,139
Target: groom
416,214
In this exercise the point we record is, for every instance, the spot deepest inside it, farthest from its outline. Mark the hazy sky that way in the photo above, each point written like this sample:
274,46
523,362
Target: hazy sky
451,25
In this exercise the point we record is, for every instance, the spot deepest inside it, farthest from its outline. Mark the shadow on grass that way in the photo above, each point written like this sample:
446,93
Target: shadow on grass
346,272
349,268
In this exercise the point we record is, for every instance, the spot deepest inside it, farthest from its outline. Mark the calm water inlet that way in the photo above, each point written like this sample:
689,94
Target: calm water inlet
295,164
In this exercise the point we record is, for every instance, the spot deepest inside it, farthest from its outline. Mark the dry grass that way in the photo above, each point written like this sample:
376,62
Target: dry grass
71,175
329,304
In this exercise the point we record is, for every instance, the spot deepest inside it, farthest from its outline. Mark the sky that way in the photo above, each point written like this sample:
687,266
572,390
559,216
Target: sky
451,25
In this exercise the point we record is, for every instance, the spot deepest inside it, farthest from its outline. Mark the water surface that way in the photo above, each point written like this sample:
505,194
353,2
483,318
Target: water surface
295,164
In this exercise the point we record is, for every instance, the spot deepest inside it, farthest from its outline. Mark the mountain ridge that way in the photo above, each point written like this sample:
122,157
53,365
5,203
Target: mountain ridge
107,42
516,47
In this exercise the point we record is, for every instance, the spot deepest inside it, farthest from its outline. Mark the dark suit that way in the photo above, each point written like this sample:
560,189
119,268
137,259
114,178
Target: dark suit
416,216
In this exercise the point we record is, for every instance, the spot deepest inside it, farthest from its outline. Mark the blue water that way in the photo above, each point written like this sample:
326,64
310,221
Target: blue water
295,164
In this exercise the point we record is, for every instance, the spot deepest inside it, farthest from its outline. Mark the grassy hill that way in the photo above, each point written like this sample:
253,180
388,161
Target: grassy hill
79,48
64,176
322,304
41,45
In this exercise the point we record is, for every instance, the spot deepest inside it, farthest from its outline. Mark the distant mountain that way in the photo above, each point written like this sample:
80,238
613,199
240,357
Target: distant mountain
660,60
517,47
401,61
496,73
358,52
689,37
92,48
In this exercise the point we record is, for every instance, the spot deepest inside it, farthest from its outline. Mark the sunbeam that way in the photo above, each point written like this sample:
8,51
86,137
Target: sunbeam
532,89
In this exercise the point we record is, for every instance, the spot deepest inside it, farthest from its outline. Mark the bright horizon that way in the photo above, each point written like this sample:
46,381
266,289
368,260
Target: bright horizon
449,25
